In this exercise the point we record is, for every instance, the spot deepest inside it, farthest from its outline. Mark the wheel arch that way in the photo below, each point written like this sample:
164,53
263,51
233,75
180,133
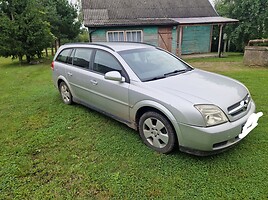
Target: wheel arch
63,79
146,106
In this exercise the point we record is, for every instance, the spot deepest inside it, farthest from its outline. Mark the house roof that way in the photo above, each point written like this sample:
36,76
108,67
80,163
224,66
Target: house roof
204,20
99,13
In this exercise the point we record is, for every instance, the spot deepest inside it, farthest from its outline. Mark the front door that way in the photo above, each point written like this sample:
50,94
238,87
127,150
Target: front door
165,38
106,95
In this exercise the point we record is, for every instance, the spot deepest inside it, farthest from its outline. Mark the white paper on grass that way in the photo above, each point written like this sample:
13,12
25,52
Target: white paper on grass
251,123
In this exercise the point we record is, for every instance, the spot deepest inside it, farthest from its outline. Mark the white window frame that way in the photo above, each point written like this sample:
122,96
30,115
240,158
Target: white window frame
113,35
125,32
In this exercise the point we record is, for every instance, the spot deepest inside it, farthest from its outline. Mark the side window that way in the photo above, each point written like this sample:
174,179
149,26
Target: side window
82,57
105,62
64,56
70,58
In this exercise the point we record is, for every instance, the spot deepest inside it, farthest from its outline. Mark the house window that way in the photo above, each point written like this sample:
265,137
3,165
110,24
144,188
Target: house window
128,36
115,36
133,36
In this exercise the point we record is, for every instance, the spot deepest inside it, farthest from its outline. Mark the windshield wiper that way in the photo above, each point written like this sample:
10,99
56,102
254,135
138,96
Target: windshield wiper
175,72
155,78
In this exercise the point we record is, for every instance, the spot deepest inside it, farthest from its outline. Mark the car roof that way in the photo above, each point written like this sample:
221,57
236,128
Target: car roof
115,46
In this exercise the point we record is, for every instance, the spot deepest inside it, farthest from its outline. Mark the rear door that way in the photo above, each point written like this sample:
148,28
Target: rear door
78,73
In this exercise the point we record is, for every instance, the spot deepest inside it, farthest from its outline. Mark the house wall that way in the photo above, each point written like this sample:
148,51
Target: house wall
149,34
174,40
99,35
196,39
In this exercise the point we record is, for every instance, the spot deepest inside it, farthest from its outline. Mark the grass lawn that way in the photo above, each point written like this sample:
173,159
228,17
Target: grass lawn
49,150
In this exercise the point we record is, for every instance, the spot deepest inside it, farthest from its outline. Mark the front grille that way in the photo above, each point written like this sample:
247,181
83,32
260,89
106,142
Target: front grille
240,106
220,144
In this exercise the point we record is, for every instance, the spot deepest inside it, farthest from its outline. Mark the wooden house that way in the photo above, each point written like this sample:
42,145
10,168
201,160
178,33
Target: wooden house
179,26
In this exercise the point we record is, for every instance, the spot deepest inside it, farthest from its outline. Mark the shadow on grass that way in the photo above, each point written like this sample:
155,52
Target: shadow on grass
176,153
15,63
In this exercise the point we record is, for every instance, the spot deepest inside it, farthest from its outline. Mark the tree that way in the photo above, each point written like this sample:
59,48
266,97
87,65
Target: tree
29,26
252,16
24,31
8,46
63,19
83,36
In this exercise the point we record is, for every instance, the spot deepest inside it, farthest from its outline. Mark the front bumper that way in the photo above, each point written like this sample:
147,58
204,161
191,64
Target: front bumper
211,140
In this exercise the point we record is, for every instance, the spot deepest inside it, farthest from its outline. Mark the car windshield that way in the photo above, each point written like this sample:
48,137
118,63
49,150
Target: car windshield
152,64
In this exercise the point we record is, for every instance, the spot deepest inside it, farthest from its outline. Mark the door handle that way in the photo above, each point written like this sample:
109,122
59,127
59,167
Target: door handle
69,74
94,82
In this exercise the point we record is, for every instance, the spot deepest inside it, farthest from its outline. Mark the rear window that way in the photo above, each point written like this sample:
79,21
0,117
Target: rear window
64,56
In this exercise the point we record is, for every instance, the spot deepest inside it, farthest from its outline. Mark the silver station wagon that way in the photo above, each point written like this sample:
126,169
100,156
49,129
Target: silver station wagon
170,103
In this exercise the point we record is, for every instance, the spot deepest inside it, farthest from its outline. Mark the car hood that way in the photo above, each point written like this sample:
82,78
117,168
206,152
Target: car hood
201,87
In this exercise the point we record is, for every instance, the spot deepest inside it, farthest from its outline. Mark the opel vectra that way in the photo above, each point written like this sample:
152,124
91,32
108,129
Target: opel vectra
170,103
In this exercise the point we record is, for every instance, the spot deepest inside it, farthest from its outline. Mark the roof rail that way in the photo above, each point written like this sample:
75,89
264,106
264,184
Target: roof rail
138,43
88,43
102,44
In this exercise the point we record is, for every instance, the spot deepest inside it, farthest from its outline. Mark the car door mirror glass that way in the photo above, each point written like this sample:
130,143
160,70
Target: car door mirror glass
114,76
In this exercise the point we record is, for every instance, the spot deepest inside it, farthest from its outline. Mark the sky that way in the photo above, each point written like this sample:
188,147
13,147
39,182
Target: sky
72,1
212,2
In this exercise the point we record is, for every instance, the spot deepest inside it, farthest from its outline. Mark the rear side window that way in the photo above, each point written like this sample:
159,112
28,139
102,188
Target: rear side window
82,57
64,56
105,62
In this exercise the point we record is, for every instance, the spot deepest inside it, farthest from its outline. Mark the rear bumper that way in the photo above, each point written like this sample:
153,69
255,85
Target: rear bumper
211,140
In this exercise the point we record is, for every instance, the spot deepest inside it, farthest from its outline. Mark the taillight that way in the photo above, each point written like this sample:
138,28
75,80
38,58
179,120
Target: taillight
52,65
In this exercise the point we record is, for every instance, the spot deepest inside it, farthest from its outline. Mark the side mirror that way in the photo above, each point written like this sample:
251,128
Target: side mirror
114,76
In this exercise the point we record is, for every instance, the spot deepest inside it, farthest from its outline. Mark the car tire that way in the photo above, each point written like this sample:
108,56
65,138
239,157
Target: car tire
157,132
66,94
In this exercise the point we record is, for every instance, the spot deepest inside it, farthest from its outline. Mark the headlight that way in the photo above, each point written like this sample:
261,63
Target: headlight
212,115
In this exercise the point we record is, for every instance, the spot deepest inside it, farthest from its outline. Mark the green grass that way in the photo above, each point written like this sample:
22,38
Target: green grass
230,57
53,151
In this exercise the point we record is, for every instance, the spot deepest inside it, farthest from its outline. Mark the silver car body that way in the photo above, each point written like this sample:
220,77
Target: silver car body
175,97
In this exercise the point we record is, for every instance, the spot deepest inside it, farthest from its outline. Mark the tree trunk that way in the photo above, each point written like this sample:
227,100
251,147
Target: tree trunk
28,58
46,52
52,49
56,45
39,54
20,59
